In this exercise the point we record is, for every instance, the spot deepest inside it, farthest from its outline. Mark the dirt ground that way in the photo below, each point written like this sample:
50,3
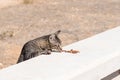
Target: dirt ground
78,19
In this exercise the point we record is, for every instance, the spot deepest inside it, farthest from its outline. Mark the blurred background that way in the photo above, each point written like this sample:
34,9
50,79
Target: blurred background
23,20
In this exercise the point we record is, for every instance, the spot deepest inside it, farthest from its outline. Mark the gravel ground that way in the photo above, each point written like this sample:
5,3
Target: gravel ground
78,19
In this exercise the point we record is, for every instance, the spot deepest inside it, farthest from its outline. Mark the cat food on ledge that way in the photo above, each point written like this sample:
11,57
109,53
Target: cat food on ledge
71,51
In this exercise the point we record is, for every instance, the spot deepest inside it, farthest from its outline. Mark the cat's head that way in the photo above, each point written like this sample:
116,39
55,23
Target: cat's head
55,40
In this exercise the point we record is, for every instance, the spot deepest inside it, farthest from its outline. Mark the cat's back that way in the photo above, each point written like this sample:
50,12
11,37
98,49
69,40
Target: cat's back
37,41
41,41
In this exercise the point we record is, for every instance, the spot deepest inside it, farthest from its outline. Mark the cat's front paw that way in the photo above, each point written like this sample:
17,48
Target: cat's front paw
48,52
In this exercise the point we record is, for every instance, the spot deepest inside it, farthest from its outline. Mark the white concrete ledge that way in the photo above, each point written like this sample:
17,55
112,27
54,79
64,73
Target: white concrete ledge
99,56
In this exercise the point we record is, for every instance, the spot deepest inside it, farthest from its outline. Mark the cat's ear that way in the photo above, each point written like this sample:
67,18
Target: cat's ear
52,37
57,32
